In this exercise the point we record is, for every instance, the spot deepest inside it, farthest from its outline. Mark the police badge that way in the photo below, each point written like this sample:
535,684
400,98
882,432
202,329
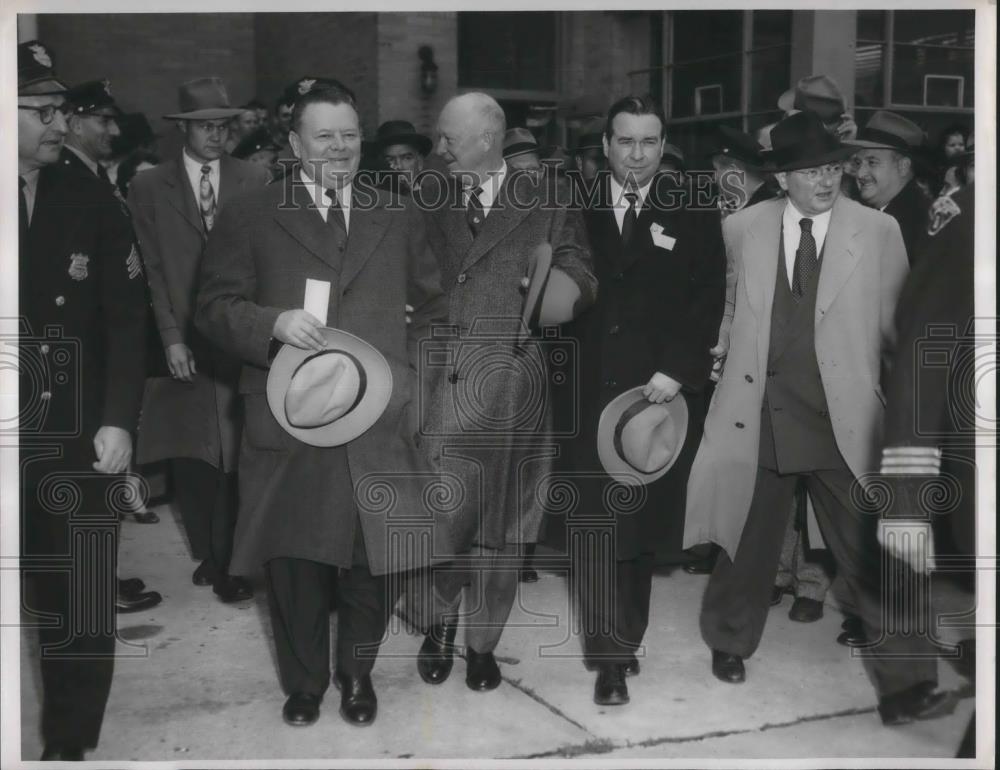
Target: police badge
78,266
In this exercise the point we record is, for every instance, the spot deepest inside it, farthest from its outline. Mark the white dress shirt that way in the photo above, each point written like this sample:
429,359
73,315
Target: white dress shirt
318,193
619,202
491,188
193,168
793,232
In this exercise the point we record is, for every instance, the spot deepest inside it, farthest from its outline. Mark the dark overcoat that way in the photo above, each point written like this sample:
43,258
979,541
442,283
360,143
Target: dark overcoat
298,500
197,419
909,208
491,418
80,343
658,310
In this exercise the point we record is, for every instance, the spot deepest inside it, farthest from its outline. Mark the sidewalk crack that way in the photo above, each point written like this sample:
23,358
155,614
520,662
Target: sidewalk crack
516,683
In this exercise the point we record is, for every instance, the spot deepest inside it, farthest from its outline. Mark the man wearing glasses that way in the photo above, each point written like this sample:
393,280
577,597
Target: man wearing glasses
190,417
82,365
800,400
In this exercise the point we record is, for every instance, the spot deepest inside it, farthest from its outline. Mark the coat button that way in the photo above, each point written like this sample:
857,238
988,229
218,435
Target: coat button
462,277
340,246
60,300
748,378
45,395
740,425
614,329
771,372
44,349
824,413
453,378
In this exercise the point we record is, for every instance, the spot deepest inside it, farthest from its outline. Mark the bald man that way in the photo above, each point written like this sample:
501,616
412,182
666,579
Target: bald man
491,413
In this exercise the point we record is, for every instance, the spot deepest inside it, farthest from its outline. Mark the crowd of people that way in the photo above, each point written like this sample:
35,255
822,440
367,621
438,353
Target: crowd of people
286,332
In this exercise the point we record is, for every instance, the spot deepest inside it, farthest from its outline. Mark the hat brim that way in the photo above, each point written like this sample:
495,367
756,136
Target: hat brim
44,86
868,144
422,143
841,153
614,465
786,102
213,113
363,416
521,148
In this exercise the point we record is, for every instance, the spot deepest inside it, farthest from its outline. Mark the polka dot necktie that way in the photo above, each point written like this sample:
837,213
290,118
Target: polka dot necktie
805,260
206,198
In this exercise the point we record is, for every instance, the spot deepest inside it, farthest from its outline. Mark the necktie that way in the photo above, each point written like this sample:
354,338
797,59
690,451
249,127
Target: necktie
22,207
628,222
335,214
102,174
474,214
206,198
805,260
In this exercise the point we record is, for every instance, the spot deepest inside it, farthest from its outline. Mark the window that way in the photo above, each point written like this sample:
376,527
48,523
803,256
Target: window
507,51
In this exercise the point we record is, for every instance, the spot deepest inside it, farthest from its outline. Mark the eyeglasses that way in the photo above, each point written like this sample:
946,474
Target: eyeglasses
820,172
47,113
213,128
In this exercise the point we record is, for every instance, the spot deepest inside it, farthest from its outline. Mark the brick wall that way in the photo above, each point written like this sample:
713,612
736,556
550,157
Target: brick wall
147,56
339,45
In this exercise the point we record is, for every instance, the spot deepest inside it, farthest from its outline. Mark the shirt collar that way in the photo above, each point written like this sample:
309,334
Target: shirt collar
618,193
793,215
31,178
92,165
316,191
491,187
194,166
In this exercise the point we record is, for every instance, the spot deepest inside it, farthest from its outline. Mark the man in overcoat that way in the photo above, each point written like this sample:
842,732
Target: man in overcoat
80,355
801,398
304,513
191,417
490,417
661,267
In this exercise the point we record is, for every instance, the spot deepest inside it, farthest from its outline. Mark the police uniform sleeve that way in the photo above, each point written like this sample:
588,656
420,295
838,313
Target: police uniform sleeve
124,308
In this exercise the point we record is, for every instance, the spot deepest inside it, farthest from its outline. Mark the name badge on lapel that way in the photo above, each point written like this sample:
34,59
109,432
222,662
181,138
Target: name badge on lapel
660,238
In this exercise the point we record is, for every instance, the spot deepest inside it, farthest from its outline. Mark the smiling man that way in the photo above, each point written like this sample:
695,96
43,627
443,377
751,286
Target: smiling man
800,400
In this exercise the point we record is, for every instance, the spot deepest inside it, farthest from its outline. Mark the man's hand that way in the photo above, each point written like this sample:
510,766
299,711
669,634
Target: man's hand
909,541
847,129
299,328
114,449
180,362
661,388
718,353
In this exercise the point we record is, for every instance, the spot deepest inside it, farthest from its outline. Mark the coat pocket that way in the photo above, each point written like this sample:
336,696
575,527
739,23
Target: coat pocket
260,428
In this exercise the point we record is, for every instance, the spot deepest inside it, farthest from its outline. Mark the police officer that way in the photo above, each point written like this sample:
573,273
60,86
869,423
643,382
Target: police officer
82,367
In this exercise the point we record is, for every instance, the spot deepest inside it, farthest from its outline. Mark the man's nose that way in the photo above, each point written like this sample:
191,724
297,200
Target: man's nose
636,152
114,129
60,123
394,164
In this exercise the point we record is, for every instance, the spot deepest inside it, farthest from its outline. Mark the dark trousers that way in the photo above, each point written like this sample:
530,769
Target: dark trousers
299,593
69,565
736,602
612,598
206,497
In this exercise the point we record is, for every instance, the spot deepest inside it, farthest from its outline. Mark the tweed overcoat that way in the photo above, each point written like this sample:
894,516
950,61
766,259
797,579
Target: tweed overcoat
198,419
490,419
296,499
864,266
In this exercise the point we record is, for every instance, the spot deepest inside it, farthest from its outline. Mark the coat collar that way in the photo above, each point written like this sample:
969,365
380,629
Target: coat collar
505,215
232,181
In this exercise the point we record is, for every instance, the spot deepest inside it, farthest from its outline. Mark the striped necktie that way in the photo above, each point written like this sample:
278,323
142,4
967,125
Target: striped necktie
206,198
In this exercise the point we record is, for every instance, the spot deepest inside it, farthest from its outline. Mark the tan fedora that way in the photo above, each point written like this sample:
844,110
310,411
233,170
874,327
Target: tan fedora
889,131
552,295
204,99
816,93
639,441
329,397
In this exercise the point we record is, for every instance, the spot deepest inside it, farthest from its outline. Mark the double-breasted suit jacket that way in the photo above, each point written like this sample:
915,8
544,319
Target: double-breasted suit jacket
83,310
180,419
863,268
658,310
491,417
298,500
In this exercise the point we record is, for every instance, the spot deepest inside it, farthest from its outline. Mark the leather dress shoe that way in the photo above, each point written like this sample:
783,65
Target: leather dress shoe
146,517
204,575
805,610
358,704
301,709
130,586
232,589
481,670
728,668
922,701
703,565
610,688
776,593
631,668
853,634
144,600
62,754
437,653
527,575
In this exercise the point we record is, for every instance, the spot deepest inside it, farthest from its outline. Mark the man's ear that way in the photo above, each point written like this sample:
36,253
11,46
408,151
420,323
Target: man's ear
74,124
782,178
295,143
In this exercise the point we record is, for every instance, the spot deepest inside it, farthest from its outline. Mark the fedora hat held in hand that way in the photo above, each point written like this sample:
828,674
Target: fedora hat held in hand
639,441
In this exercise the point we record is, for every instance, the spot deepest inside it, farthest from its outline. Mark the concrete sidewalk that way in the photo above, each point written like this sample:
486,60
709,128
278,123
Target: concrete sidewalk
196,680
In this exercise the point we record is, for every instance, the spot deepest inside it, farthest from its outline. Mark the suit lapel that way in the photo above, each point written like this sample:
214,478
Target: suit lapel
179,194
305,224
504,216
840,257
366,229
